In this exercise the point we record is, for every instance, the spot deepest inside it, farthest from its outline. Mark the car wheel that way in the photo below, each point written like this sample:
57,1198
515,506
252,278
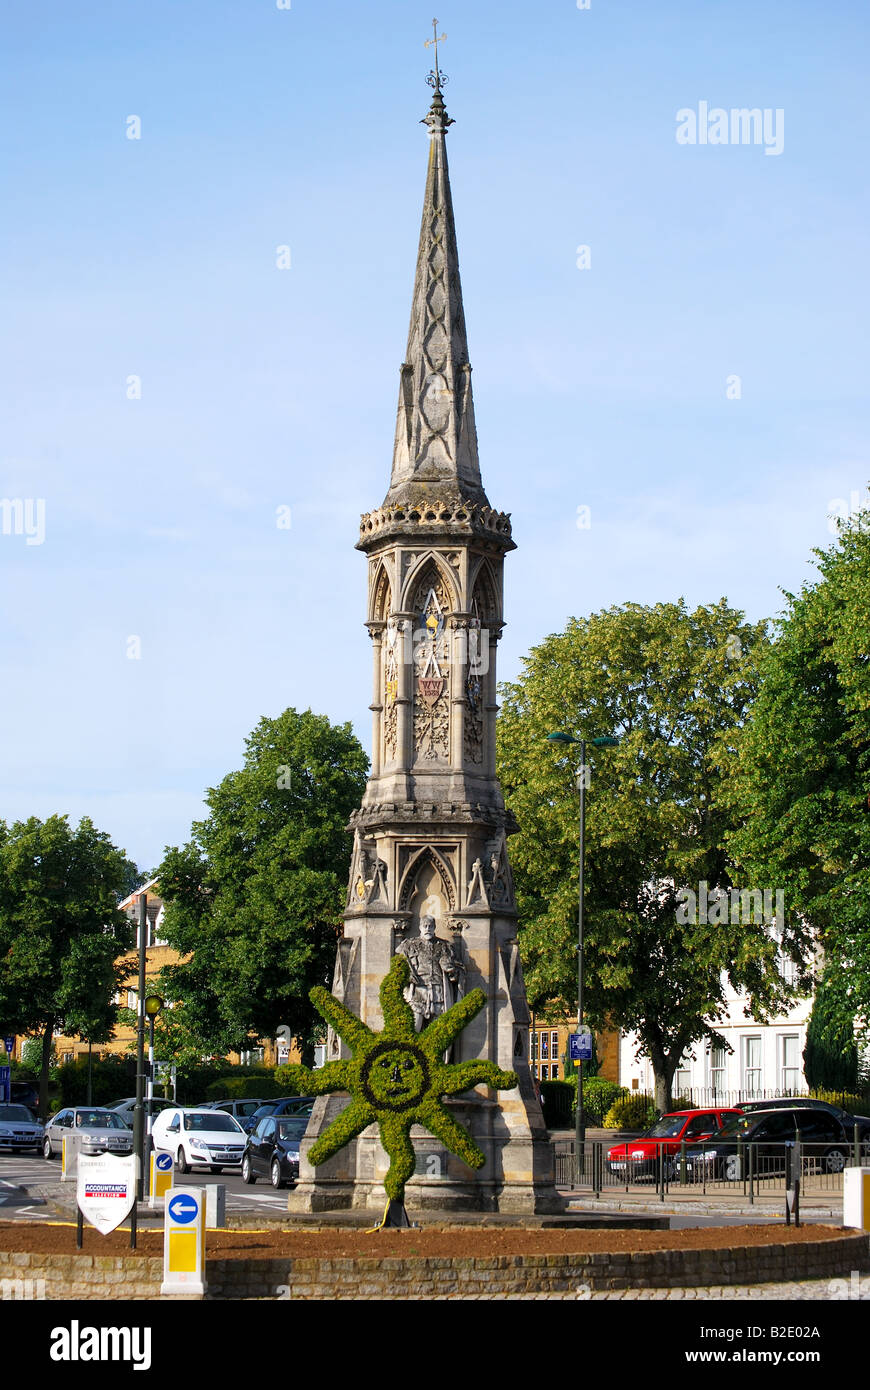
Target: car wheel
672,1169
47,1150
275,1174
835,1161
181,1162
732,1168
247,1170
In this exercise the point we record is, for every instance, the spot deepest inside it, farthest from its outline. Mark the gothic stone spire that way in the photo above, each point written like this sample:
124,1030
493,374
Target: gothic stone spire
436,440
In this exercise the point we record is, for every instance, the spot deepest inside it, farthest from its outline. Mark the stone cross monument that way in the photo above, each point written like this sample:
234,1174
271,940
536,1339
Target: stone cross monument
430,875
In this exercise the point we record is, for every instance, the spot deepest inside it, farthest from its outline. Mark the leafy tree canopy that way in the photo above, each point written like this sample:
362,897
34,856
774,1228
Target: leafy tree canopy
802,798
255,898
674,686
61,932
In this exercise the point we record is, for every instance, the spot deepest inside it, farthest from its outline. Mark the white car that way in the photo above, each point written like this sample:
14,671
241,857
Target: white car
199,1138
18,1129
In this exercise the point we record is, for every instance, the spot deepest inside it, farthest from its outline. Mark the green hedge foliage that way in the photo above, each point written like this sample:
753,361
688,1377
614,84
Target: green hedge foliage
632,1110
557,1099
234,1087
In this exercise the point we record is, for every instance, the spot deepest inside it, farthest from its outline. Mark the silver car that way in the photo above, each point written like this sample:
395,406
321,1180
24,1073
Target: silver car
18,1129
102,1131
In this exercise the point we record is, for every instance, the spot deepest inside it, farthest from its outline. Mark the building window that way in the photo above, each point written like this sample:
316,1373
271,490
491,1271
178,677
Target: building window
132,999
791,1072
545,1072
752,1066
683,1076
717,1071
545,1045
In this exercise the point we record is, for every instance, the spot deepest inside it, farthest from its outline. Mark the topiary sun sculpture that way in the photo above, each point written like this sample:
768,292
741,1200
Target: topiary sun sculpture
396,1078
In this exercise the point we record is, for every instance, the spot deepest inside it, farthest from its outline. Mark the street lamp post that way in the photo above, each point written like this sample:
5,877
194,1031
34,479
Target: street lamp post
153,1006
605,742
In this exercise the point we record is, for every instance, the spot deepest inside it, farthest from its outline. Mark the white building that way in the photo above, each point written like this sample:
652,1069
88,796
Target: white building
765,1060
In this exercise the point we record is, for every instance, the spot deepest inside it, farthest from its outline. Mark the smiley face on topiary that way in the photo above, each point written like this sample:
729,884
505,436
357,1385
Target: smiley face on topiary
395,1076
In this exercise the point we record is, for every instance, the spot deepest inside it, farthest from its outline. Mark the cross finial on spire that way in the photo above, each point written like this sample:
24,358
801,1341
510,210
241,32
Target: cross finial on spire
437,120
436,78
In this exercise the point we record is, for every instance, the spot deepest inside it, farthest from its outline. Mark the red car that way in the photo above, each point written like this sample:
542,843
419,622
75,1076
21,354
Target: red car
640,1156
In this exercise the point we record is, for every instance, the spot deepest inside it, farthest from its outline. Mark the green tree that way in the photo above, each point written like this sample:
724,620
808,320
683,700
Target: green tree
61,933
254,900
675,687
830,1053
802,799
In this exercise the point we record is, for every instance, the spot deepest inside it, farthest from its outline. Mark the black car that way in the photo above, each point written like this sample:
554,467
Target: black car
24,1093
284,1105
273,1149
846,1118
762,1140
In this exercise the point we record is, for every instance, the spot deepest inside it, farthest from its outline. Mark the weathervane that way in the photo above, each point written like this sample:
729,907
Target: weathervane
436,78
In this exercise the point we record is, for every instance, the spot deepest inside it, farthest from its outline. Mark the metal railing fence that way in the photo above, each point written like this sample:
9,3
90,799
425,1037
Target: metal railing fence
746,1169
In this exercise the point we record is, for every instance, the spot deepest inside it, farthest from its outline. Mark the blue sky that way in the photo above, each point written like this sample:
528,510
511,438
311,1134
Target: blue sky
603,387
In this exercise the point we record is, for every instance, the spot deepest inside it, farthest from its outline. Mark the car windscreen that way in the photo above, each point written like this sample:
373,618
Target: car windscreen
99,1119
666,1128
15,1112
292,1128
216,1121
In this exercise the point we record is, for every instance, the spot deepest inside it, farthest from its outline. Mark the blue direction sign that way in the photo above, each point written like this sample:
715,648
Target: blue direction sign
163,1162
183,1209
9,1043
580,1047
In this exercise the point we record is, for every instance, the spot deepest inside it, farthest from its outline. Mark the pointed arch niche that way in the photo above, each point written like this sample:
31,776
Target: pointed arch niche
428,888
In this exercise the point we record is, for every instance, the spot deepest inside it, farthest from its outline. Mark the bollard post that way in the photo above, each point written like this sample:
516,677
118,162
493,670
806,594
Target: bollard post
683,1177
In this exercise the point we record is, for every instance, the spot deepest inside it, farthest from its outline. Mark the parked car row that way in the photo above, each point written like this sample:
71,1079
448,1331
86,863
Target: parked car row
716,1140
214,1139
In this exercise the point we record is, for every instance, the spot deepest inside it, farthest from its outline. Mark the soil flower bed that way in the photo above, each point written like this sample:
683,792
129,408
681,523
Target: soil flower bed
460,1242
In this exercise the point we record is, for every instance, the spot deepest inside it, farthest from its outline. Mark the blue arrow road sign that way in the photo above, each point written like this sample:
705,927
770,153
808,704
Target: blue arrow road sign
183,1209
163,1162
9,1042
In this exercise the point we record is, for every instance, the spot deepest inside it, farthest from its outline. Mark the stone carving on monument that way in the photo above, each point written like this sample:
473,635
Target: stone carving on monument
437,973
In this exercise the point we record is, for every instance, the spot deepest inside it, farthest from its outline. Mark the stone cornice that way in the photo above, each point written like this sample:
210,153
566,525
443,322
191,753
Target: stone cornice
422,521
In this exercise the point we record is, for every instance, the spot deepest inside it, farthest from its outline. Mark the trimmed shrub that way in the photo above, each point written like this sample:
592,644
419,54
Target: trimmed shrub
557,1099
634,1110
599,1095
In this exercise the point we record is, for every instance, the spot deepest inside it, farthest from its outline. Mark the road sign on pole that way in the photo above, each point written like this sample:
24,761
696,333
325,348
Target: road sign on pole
580,1047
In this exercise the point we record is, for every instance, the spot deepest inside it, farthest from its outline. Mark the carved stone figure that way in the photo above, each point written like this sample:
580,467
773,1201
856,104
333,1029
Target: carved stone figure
437,973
